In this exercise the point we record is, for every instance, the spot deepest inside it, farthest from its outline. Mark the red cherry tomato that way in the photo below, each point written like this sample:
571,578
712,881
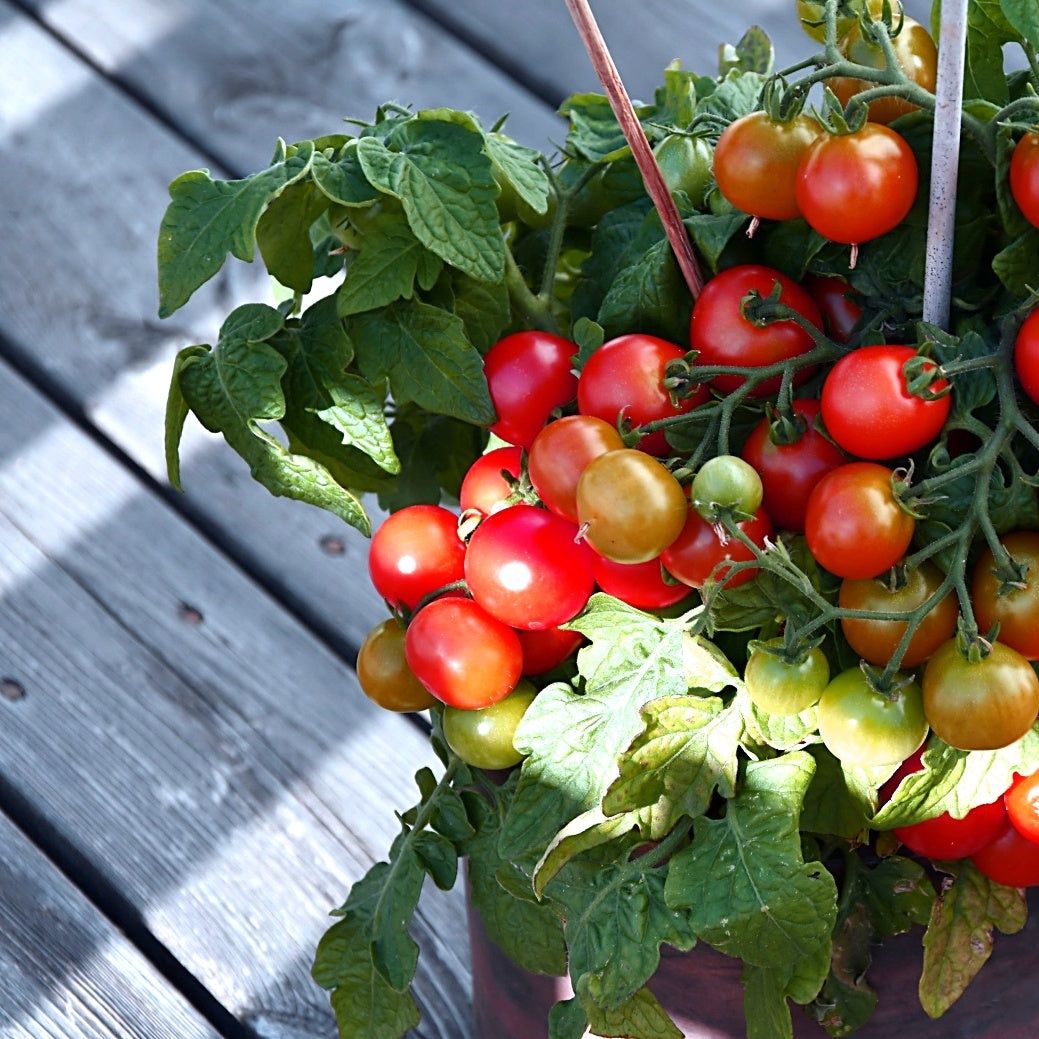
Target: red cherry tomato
702,546
529,374
945,837
641,585
561,452
854,525
857,186
625,377
484,488
1010,859
1022,802
789,472
462,655
838,302
723,336
1026,350
869,410
544,650
415,552
524,567
1024,176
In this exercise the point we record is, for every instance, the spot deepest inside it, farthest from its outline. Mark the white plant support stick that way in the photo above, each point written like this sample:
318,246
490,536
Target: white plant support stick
941,214
623,109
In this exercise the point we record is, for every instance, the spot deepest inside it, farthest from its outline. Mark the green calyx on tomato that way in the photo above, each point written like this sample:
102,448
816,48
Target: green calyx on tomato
783,686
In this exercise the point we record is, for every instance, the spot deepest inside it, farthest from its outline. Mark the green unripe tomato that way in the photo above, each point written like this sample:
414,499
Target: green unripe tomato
782,688
483,738
685,163
726,482
863,727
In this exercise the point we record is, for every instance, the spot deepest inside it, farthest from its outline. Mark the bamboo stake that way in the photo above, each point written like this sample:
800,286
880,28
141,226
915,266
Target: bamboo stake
623,109
941,214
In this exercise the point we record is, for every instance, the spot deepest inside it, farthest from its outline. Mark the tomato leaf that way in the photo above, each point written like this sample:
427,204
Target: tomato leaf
1017,266
712,233
342,179
484,308
764,1004
283,234
1024,17
595,133
520,168
735,95
987,30
641,1017
207,219
840,800
177,411
959,937
567,1020
754,53
773,909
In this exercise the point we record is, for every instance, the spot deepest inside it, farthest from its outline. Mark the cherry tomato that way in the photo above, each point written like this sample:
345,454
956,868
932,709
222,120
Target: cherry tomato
812,15
726,482
483,738
980,706
1022,804
701,546
462,655
641,585
626,377
685,162
723,336
876,640
415,552
561,452
1024,176
756,160
854,524
916,54
631,506
546,649
857,186
868,409
1026,346
838,302
529,374
1010,859
864,727
781,687
944,837
383,673
789,472
484,488
1017,612
524,568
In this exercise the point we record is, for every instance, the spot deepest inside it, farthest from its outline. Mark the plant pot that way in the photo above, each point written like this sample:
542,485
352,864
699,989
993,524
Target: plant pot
702,993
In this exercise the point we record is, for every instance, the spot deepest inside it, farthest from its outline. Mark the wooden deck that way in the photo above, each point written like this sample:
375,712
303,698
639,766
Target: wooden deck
189,776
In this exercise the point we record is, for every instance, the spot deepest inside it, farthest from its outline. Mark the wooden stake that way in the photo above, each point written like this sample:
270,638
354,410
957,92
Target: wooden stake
945,156
623,109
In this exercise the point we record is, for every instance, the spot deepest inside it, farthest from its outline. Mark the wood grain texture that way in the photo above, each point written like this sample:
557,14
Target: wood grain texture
215,763
65,972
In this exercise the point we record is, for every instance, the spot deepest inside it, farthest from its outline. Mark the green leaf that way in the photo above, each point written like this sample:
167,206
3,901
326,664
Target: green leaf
736,95
177,412
484,308
283,234
589,336
959,936
846,1000
711,233
573,740
779,731
520,168
343,180
595,133
425,354
764,1004
207,219
438,858
1017,266
444,179
235,387
567,1020
754,53
642,1017
396,886
1023,15
973,389
385,268
955,781
987,31
898,894
841,799
749,891
528,932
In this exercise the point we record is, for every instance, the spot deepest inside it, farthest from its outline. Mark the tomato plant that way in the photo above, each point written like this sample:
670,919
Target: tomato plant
529,375
1026,352
869,411
786,686
854,524
415,552
638,584
876,640
862,726
630,507
1010,859
383,673
561,452
1015,606
462,655
790,468
484,488
624,378
725,336
756,160
524,568
980,705
702,546
1024,176
483,738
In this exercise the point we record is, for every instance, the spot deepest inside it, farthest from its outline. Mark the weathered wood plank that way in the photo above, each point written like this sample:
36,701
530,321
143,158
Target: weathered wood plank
218,765
65,971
